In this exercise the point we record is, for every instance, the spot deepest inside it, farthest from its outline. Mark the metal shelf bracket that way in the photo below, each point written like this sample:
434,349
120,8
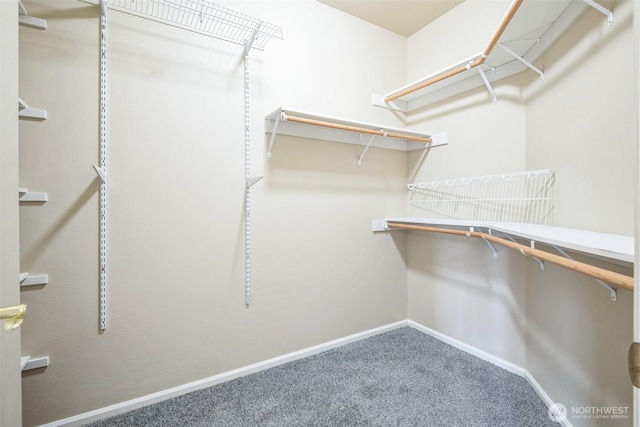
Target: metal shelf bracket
612,291
366,148
521,59
27,280
488,85
601,9
29,21
274,133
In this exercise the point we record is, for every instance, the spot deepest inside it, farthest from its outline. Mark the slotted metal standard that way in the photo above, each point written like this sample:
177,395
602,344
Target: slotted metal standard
102,170
205,18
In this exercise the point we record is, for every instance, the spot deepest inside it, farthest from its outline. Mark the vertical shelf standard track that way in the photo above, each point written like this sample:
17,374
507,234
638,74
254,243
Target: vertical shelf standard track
102,170
248,179
209,19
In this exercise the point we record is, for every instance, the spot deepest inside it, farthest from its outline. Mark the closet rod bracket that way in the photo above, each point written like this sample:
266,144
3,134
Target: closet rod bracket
521,59
601,9
612,291
494,253
274,132
488,85
366,148
533,246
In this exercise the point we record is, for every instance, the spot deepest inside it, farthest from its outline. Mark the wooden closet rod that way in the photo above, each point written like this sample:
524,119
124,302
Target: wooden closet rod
616,279
515,5
377,132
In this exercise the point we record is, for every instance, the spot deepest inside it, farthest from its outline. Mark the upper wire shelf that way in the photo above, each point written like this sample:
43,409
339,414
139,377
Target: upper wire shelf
519,197
203,17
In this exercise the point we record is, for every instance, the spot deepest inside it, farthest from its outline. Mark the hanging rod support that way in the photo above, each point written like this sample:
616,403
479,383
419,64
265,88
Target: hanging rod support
494,254
601,9
366,148
252,38
533,246
487,84
521,59
274,132
612,291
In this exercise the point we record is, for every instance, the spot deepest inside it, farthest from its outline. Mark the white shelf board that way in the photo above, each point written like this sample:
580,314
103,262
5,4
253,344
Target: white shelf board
609,246
348,137
534,28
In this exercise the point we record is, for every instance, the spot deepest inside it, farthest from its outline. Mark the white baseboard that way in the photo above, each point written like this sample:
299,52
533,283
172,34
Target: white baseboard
130,405
508,366
139,402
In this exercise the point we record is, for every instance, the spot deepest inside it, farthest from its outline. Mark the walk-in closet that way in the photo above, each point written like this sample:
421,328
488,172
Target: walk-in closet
319,212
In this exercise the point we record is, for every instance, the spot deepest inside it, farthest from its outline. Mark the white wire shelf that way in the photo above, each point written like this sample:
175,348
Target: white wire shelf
203,17
519,197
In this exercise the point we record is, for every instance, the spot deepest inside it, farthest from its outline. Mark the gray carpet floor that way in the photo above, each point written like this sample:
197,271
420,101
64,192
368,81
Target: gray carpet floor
399,378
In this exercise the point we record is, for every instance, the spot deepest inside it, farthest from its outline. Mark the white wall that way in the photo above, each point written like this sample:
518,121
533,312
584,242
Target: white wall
176,309
579,122
176,179
454,285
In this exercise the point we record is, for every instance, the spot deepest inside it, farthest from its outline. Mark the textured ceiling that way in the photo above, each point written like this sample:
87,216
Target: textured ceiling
403,17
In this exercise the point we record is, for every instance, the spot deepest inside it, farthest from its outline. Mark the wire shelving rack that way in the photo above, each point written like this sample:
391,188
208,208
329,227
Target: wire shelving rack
203,17
520,197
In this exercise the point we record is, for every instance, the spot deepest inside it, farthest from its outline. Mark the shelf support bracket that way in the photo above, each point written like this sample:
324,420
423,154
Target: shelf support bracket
366,148
274,132
533,244
252,180
494,254
601,9
488,85
30,21
612,291
100,173
252,38
521,59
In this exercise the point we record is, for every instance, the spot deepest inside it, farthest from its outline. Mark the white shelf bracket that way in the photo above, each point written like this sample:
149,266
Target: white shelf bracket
100,173
521,59
27,280
366,148
382,225
29,21
494,254
24,195
28,363
508,236
601,9
252,38
26,112
612,291
252,180
274,132
487,84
